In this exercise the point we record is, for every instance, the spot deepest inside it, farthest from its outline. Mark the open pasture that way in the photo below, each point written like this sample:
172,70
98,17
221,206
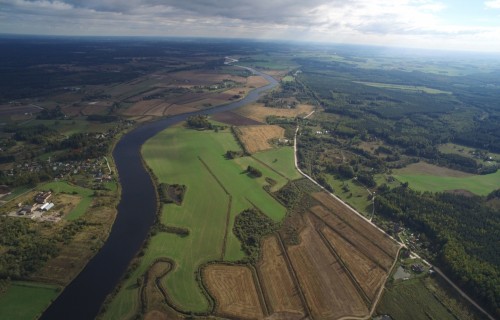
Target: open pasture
258,138
26,301
234,289
278,285
280,159
446,179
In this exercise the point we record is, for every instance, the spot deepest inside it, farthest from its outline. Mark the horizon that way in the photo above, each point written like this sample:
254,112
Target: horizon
417,24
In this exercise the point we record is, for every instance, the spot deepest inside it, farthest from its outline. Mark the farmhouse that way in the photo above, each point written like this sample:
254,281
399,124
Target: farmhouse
42,197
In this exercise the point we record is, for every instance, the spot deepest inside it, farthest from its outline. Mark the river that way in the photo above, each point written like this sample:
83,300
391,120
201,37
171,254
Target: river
83,297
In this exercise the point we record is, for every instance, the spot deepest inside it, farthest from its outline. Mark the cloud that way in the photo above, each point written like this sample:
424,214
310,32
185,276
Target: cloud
375,21
494,4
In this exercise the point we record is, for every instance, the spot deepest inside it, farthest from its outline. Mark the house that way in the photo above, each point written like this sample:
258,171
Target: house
42,197
417,267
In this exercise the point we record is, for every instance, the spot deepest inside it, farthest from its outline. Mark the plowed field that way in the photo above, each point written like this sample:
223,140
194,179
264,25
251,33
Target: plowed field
328,290
234,289
279,288
368,274
389,246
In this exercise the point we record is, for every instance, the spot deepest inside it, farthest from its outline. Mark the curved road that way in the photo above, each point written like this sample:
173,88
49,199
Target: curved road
83,297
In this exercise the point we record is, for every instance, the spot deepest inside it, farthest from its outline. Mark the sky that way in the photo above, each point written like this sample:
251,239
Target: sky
470,25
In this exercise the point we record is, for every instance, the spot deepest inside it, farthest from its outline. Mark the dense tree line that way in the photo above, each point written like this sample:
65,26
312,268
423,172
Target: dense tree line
250,226
199,122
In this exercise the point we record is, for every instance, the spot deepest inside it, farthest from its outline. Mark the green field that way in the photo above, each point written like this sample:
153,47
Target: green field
85,194
357,196
281,160
424,298
403,87
478,184
204,210
26,300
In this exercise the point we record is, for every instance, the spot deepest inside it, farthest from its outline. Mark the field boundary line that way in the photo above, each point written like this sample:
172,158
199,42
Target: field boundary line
228,212
350,225
295,279
356,284
361,250
166,109
260,292
270,168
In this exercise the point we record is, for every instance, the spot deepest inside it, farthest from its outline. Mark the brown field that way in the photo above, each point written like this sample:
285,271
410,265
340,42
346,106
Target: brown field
369,276
329,292
234,119
357,239
197,77
256,82
142,107
258,112
173,109
234,289
99,107
432,170
256,138
277,284
383,241
11,109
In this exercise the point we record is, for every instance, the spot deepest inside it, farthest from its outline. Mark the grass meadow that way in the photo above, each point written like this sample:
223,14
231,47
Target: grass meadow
26,300
478,184
216,187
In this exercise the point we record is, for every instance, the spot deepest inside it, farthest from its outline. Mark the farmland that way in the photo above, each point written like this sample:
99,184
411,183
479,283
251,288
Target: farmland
259,112
235,291
259,138
26,301
278,284
443,180
403,87
196,159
